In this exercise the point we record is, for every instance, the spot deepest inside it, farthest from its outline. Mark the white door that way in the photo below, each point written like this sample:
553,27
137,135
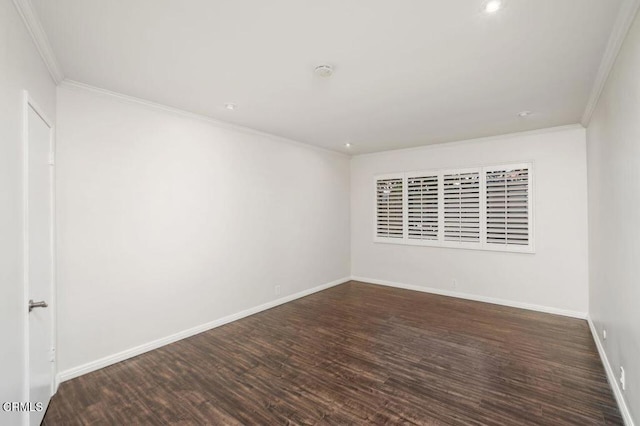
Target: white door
39,260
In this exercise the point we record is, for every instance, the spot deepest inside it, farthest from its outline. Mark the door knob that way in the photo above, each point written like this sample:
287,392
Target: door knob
33,304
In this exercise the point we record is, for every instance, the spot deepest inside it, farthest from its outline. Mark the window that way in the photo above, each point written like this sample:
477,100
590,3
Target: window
422,207
389,202
487,208
508,206
462,207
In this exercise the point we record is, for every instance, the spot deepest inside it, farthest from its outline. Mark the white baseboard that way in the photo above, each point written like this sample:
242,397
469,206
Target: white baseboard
613,379
130,353
441,292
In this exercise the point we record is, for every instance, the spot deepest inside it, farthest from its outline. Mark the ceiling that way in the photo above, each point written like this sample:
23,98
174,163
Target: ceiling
407,73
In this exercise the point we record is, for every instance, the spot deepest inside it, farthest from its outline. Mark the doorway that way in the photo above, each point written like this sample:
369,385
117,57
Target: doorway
39,262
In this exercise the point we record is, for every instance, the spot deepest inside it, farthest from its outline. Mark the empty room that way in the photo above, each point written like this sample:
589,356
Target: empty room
243,212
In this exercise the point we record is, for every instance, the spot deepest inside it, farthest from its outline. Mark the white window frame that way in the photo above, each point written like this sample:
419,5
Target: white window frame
440,173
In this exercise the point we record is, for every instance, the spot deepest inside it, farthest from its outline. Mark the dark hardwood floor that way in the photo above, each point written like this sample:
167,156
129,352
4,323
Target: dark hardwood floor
358,354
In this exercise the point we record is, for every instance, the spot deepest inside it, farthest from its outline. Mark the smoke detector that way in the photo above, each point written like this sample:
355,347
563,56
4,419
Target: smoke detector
324,71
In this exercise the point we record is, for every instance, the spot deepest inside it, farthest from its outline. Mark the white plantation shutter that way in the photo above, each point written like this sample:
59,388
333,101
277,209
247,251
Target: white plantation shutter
507,206
389,208
422,207
462,207
480,208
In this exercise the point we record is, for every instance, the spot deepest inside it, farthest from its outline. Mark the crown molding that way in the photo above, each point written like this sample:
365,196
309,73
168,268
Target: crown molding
473,141
72,84
626,15
32,22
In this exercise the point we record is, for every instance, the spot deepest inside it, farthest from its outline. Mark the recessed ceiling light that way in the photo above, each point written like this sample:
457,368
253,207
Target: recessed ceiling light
324,70
524,114
347,145
493,6
230,107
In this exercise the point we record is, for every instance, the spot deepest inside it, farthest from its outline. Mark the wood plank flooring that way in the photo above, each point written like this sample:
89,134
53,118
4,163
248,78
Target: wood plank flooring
358,354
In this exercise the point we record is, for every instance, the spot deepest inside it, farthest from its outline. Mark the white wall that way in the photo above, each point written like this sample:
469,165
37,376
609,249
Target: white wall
167,222
20,68
554,277
613,142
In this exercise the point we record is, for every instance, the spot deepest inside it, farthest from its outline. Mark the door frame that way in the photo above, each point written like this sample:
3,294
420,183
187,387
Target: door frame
28,103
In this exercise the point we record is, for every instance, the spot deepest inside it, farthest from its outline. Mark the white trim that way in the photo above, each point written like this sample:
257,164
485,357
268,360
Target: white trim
40,39
464,142
54,258
611,377
474,297
25,250
626,15
129,353
183,113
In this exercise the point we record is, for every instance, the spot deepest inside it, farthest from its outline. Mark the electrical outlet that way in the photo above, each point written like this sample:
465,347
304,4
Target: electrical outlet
276,290
604,334
623,380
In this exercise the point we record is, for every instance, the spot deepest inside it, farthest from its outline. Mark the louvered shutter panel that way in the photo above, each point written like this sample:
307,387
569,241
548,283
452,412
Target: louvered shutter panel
508,206
389,208
462,207
422,207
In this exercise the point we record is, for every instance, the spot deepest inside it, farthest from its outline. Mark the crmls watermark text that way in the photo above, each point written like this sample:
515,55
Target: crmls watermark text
22,406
